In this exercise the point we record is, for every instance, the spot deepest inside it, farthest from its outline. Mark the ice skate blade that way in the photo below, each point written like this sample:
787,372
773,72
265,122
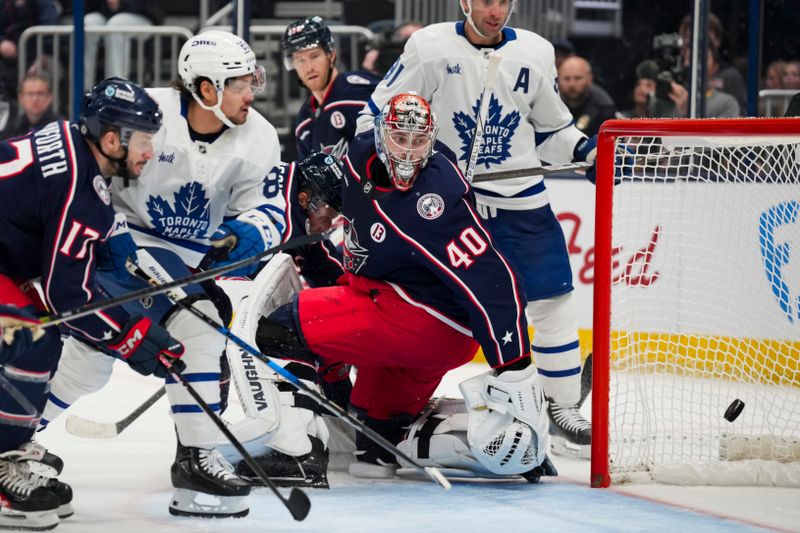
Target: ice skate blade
28,521
563,448
197,504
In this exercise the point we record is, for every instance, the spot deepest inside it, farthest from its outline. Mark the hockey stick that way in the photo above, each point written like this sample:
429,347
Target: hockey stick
534,171
431,472
488,80
89,429
100,305
297,503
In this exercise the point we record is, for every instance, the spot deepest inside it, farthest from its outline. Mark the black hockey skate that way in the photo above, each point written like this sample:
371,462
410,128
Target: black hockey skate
309,470
25,504
198,471
372,461
570,433
547,468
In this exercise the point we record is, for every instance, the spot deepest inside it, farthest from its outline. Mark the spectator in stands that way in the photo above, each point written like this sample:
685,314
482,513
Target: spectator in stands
15,17
727,79
589,104
774,76
564,49
791,76
384,51
794,106
117,45
643,91
676,103
34,109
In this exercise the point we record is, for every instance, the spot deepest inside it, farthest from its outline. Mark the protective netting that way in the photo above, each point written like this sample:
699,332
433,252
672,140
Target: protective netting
705,309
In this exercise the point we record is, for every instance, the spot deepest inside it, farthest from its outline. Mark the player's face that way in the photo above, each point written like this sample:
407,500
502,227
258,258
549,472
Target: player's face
489,16
411,147
238,96
140,151
312,67
321,216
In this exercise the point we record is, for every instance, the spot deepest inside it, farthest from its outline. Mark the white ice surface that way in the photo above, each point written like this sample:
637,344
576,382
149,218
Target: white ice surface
122,486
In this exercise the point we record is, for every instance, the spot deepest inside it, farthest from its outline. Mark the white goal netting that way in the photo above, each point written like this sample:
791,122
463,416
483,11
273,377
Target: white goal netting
706,311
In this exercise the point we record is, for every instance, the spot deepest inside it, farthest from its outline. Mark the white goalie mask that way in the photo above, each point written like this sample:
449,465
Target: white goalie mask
404,137
219,56
466,8
508,430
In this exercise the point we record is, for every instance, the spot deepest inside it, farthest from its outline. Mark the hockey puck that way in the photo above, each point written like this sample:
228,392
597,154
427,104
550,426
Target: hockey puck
734,410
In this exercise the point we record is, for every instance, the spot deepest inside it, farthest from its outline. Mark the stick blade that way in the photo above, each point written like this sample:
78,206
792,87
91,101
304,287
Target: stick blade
438,477
89,429
298,504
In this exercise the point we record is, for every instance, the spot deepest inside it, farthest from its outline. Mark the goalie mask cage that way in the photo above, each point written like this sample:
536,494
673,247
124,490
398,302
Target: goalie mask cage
697,302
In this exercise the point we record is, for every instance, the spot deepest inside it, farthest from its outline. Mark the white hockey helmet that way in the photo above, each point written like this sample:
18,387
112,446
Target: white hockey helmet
466,7
218,56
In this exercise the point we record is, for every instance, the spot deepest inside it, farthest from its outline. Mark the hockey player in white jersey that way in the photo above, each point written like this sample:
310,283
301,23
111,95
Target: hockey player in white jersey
204,188
527,124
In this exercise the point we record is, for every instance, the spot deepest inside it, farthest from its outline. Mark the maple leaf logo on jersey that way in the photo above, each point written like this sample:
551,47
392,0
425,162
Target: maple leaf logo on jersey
497,133
354,254
188,219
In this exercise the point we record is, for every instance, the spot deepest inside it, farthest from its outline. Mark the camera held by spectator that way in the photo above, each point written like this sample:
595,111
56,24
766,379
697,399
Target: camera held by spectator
667,58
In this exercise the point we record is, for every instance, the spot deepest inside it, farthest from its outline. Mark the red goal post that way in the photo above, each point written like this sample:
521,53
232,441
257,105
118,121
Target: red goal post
705,203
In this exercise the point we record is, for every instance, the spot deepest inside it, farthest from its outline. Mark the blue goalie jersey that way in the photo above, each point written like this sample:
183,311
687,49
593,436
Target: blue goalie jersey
431,246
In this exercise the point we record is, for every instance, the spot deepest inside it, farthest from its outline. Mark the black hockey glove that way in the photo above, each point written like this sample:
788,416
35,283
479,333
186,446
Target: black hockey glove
141,342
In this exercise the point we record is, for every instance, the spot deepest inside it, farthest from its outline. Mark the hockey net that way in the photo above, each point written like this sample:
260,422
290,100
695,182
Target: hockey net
706,310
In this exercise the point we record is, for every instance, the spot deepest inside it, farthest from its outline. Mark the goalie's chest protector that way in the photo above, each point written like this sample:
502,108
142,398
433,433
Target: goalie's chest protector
402,237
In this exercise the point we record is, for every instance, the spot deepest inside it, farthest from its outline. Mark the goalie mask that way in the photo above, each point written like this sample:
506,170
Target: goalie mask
405,134
221,57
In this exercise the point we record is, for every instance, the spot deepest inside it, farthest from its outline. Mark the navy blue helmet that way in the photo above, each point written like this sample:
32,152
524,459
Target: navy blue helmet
304,34
322,175
121,103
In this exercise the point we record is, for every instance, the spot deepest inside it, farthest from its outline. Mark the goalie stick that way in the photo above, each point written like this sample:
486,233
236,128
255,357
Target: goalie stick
91,308
89,429
483,109
431,472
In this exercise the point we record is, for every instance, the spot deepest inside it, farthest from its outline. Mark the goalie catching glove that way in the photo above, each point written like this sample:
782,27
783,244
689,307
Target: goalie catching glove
248,235
140,343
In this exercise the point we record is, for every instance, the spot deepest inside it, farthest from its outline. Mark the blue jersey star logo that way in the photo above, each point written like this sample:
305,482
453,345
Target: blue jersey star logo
507,337
188,219
497,133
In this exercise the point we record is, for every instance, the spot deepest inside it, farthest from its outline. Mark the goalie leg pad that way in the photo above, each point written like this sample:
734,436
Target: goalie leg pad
508,424
438,438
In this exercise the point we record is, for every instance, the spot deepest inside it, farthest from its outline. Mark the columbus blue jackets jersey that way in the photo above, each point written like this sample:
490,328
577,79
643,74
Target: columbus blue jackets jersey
527,121
431,246
320,263
328,126
54,207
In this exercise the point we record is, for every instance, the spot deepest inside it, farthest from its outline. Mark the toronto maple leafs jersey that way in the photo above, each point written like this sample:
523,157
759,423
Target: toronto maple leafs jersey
190,187
320,263
329,126
55,207
431,246
527,121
